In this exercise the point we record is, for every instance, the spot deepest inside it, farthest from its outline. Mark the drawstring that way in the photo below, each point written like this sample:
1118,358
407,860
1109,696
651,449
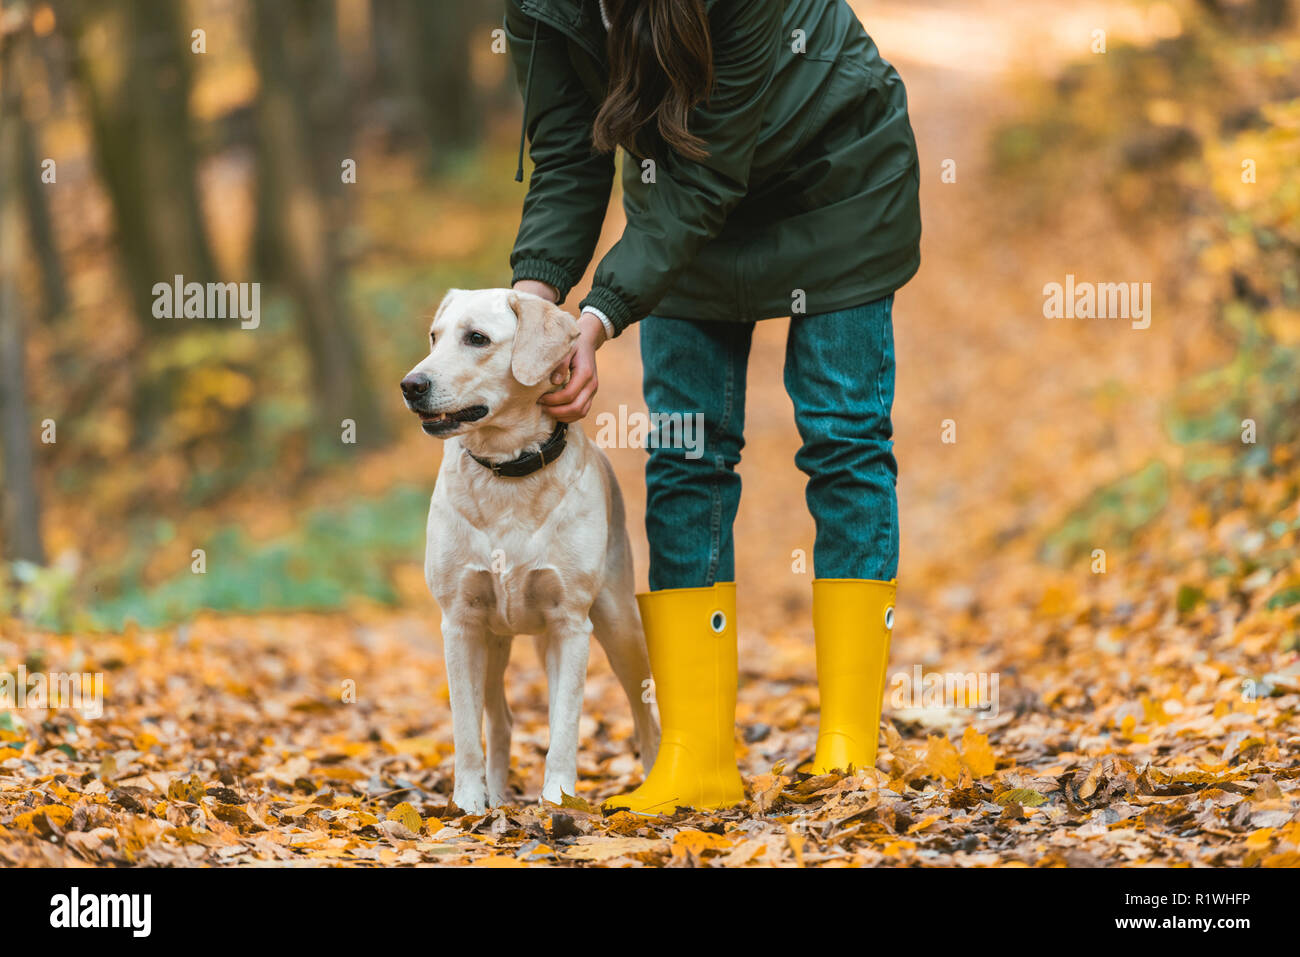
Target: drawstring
523,124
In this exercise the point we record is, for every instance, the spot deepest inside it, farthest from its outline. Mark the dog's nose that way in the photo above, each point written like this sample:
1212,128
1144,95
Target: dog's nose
415,385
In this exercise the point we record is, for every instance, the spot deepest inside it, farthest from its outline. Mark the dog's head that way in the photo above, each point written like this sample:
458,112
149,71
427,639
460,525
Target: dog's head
490,351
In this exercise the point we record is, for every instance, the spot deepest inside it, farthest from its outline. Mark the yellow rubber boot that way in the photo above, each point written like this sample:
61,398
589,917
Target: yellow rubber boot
691,636
852,621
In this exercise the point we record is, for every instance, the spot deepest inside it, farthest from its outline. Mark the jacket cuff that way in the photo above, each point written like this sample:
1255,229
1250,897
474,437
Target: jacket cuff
543,270
609,303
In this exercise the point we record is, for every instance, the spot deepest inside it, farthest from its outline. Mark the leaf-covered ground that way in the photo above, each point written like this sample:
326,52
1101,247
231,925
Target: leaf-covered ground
1146,695
1124,736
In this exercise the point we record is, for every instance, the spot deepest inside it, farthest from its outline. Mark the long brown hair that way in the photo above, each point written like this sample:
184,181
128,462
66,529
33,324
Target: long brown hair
660,66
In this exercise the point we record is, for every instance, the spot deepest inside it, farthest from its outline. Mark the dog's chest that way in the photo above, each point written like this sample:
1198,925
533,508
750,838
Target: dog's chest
518,556
505,584
512,569
515,600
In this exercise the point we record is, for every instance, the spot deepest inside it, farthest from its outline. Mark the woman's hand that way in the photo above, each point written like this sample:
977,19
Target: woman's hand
537,288
574,401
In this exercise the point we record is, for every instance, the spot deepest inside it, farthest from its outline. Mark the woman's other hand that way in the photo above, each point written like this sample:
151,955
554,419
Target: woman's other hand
537,288
574,401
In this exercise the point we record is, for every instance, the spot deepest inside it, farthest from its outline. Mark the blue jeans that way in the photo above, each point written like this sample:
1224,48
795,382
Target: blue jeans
839,372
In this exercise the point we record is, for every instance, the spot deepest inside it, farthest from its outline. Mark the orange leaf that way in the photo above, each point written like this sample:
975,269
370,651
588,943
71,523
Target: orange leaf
977,754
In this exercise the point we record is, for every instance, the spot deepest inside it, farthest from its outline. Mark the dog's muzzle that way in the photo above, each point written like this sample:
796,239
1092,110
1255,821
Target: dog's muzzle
416,389
436,423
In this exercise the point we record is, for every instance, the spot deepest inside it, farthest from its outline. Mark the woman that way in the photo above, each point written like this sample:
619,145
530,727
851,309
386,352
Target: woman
770,171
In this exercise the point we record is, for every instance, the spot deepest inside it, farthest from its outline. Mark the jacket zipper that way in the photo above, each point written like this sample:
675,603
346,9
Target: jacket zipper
563,28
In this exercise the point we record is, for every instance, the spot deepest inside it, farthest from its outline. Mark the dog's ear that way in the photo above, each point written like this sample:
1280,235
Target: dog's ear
543,337
442,306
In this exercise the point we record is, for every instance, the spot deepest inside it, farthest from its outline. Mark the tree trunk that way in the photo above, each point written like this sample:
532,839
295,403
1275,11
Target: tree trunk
304,239
22,514
132,60
423,72
40,226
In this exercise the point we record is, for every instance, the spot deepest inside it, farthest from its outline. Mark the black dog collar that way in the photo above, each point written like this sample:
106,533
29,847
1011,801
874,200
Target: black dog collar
530,463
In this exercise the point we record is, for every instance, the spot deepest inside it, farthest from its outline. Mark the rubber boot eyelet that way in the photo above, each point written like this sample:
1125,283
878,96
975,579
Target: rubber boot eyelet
718,622
889,618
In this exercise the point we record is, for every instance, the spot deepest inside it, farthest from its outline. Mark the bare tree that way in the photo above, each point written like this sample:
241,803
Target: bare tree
133,64
22,514
423,71
299,227
40,227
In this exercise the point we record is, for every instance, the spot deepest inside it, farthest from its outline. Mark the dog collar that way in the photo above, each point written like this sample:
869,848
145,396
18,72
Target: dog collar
530,463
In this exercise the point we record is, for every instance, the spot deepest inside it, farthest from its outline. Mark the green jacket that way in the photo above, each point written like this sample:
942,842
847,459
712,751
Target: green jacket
807,202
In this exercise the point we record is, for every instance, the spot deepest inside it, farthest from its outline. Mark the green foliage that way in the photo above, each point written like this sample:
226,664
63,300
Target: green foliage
1112,513
334,556
1208,122
1285,598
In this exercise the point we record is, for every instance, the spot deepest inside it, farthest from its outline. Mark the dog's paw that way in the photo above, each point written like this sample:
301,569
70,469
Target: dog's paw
554,791
471,800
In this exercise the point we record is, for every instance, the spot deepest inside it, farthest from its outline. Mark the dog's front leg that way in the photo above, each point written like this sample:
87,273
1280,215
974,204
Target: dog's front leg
566,647
466,654
499,720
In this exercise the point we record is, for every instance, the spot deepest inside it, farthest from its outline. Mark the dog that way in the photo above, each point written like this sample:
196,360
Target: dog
526,535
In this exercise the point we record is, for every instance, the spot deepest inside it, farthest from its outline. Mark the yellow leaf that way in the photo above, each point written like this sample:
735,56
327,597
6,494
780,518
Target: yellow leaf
191,791
499,860
697,842
1089,786
338,773
407,816
1260,840
40,819
896,848
63,794
625,823
922,824
575,803
941,759
796,843
1154,711
977,754
1057,600
1290,834
187,835
767,788
603,850
1025,797
427,749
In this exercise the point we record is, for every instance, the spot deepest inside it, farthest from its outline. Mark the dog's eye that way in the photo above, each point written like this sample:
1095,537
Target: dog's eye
476,339
431,338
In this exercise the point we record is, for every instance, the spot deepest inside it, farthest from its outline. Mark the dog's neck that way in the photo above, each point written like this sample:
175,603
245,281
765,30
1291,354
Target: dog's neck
512,431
